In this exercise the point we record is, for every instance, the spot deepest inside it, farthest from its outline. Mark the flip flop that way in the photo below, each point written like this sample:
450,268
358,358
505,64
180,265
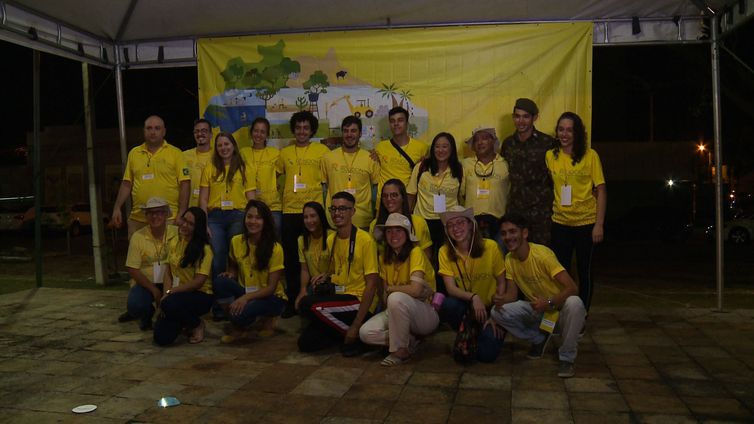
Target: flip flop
392,360
197,335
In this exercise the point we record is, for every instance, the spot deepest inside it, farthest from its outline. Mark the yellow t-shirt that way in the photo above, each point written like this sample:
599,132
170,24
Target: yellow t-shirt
582,178
144,251
303,165
159,174
364,262
393,164
426,187
265,163
535,276
479,274
421,231
486,186
176,249
354,173
315,258
248,276
399,275
196,161
227,198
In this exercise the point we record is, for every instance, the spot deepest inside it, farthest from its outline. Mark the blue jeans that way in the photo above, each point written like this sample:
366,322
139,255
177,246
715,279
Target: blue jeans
489,346
223,225
180,310
277,217
567,239
140,303
227,290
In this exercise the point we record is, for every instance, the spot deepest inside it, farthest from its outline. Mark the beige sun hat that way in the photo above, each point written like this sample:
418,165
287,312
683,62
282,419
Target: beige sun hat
156,202
486,129
394,220
456,211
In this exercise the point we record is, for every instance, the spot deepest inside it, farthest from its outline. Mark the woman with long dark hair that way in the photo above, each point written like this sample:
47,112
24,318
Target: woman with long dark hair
578,216
251,288
409,282
227,184
313,253
188,288
394,199
264,160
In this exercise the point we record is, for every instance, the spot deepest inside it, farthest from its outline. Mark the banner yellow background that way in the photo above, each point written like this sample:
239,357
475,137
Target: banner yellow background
459,78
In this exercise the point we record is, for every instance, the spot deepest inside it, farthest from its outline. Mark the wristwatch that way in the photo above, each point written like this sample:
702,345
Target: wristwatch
551,304
168,291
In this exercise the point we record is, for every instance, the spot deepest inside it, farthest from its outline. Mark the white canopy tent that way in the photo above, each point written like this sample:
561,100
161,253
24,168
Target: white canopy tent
122,34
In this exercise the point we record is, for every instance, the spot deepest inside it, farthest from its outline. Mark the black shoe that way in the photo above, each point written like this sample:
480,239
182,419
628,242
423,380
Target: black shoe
289,312
145,324
537,351
125,317
351,349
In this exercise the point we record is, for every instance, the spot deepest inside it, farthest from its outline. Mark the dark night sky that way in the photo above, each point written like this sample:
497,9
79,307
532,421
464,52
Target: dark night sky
675,80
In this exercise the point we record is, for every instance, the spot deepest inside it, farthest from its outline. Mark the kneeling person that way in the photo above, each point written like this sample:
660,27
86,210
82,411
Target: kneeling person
551,295
336,315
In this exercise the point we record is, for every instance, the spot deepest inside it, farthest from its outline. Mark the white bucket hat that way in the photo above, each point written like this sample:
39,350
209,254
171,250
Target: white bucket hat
395,220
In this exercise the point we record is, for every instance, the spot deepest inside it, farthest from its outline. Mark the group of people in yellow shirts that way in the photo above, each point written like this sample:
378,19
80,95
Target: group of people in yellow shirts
432,252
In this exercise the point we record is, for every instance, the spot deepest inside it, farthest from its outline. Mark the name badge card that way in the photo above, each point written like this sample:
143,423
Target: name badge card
565,195
340,289
196,192
176,281
157,272
350,189
483,190
549,319
146,177
298,184
251,289
439,203
226,204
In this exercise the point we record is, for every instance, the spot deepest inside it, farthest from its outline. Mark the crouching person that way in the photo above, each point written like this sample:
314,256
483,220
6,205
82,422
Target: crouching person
188,288
551,296
408,283
343,298
251,288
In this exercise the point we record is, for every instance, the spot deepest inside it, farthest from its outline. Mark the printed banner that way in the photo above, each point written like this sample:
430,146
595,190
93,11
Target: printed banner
450,79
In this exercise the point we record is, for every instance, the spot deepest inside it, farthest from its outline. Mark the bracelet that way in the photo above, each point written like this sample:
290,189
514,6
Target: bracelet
472,297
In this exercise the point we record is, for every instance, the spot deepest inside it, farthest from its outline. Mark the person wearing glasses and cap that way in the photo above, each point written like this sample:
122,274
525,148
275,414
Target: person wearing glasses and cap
408,283
147,259
343,298
485,177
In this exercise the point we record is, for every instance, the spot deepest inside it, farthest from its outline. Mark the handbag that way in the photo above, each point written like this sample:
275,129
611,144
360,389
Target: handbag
466,344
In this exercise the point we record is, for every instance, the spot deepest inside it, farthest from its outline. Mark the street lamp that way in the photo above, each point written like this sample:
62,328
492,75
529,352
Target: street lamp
702,148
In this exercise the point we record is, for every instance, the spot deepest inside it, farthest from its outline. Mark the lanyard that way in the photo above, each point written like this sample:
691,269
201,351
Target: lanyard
298,160
487,170
350,167
160,248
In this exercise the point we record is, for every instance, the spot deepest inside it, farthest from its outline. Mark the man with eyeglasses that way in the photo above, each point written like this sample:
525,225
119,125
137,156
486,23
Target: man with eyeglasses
344,298
198,157
351,169
485,180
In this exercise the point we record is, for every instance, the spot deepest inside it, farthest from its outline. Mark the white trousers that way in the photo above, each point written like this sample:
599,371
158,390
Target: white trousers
405,318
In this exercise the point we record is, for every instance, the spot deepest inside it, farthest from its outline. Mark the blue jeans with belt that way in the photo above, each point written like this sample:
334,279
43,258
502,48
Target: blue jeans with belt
223,225
227,290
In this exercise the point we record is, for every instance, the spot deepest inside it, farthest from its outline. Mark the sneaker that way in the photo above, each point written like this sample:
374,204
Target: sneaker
565,369
125,317
538,350
289,312
145,324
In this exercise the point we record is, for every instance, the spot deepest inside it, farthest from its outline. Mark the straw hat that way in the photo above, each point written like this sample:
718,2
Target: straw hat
395,220
489,130
156,202
456,211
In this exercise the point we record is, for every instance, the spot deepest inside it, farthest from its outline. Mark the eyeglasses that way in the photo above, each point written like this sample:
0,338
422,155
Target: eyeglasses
340,209
393,195
456,224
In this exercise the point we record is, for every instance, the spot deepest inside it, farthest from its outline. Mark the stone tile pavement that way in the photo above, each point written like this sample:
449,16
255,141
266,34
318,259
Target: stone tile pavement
60,348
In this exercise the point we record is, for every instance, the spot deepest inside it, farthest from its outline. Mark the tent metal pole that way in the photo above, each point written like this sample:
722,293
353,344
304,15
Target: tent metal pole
36,159
719,242
121,113
98,235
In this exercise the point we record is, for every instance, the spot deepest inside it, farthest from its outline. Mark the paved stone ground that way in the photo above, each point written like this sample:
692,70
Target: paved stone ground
61,348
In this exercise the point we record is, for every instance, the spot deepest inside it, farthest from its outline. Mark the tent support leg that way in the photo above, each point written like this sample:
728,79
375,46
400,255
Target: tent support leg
719,242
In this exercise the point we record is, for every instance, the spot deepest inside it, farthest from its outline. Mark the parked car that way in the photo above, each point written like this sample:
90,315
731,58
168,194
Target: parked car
74,218
739,230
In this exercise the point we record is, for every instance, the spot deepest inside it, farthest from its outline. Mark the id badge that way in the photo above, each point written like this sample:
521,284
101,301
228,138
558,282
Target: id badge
565,195
297,184
439,203
158,271
549,319
196,192
226,204
251,289
146,177
176,281
483,190
350,189
340,289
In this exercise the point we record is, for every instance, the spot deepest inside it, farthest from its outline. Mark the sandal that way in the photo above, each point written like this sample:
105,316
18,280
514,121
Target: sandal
392,360
197,335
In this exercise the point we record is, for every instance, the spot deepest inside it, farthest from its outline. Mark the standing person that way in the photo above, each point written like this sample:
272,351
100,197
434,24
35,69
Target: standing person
226,186
313,254
147,259
351,169
435,187
485,180
394,199
531,184
474,272
408,284
263,159
300,163
198,157
337,315
550,296
188,293
154,168
580,200
252,288
400,153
